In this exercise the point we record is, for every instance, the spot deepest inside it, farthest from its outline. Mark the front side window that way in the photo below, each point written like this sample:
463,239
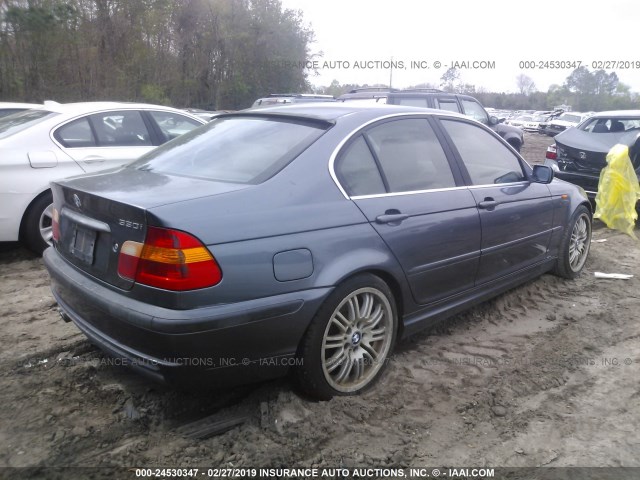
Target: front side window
410,156
486,158
474,110
241,149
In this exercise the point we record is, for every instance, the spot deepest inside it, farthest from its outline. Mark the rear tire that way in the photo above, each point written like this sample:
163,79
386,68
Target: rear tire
349,340
574,248
37,232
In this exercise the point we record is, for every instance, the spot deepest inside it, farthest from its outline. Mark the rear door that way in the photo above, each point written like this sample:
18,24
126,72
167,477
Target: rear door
399,175
106,139
516,214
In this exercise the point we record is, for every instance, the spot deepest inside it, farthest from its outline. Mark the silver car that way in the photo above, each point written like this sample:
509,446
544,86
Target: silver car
307,239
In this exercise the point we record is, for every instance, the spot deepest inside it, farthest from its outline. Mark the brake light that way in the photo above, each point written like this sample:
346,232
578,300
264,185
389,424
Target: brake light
169,259
551,152
55,225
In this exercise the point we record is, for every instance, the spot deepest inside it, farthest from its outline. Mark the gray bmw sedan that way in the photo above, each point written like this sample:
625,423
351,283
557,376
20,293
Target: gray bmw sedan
304,239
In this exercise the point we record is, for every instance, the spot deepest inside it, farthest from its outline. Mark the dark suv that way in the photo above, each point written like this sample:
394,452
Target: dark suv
465,104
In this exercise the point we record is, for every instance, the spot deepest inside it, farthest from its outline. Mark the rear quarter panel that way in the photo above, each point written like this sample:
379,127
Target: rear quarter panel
299,208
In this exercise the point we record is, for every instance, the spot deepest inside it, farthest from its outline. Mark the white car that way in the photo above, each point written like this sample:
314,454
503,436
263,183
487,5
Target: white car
519,121
566,120
533,125
56,141
8,108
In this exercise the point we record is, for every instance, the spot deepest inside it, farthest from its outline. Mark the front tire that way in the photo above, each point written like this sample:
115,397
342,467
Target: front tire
575,245
37,229
349,340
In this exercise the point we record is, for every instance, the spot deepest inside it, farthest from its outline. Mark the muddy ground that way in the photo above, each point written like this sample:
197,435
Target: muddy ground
544,375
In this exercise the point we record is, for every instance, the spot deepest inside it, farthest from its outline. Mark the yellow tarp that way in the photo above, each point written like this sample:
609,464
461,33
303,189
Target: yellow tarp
618,192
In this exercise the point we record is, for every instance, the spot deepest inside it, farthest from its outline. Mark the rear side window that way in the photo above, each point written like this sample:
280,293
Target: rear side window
121,129
76,134
410,155
411,101
447,104
358,172
486,158
233,149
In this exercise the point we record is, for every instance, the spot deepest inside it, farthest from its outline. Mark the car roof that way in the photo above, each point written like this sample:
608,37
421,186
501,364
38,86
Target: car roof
4,105
333,111
618,113
80,108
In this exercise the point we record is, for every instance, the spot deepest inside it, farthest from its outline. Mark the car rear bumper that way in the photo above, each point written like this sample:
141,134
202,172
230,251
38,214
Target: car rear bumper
12,208
588,182
232,343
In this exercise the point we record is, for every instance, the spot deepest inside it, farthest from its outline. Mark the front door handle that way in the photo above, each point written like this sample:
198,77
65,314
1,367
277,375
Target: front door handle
391,218
488,204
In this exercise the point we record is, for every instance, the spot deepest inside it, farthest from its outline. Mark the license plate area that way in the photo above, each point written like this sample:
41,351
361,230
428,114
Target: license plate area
83,244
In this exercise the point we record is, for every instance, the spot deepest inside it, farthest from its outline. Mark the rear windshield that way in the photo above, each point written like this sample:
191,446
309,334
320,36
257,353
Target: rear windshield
17,122
233,149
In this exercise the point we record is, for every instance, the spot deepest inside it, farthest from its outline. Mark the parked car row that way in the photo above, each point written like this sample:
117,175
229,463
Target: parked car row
564,121
579,154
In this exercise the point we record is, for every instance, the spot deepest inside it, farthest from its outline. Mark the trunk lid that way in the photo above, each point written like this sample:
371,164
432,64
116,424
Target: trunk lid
585,152
98,213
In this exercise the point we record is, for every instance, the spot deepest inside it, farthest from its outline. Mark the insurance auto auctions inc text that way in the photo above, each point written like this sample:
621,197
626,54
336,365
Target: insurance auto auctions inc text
415,64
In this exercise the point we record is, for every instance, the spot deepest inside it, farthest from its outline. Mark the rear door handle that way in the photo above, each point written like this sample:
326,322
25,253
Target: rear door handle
93,159
488,204
392,218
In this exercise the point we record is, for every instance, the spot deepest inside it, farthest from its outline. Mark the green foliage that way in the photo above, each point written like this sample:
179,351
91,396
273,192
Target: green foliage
199,53
154,94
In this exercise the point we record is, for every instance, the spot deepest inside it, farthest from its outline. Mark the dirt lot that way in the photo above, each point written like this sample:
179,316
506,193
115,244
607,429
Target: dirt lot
546,374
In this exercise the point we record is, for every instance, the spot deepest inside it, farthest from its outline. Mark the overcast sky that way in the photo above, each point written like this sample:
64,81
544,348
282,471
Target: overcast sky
498,31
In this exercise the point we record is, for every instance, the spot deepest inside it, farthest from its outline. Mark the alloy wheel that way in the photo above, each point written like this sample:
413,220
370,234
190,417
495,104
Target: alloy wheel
357,339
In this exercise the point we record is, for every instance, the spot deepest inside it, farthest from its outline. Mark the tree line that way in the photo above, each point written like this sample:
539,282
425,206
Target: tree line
188,53
212,54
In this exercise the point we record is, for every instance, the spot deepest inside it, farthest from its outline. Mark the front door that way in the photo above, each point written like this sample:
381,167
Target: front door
516,214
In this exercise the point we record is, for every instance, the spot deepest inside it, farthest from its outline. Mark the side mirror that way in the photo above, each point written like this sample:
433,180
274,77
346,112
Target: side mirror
542,174
493,120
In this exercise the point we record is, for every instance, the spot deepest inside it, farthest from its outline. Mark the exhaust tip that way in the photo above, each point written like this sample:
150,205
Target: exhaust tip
64,316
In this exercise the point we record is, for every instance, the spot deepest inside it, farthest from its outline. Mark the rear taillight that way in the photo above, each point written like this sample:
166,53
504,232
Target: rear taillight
169,259
55,225
551,152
